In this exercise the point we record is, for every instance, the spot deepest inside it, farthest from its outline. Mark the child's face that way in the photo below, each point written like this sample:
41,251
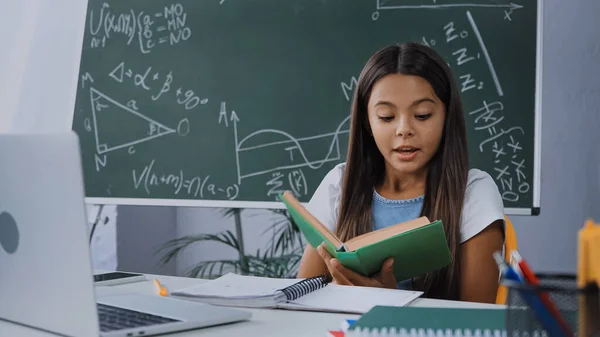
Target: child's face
407,120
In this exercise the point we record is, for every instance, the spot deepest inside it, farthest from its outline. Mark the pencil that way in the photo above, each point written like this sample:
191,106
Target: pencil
162,291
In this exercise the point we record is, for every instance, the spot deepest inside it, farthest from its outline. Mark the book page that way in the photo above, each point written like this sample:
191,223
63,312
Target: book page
337,298
233,285
384,233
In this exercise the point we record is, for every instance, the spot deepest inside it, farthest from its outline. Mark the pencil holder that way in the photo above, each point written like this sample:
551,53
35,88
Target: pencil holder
555,307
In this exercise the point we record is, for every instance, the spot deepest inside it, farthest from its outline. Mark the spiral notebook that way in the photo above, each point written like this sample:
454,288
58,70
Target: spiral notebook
313,294
442,322
425,322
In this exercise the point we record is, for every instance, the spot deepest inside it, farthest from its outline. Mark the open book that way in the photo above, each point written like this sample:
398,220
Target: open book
312,294
418,246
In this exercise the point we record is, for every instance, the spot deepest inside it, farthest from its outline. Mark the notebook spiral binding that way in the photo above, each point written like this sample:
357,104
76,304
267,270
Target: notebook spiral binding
304,287
393,332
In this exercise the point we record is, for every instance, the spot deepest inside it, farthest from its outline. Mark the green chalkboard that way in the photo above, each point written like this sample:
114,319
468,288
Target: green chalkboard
229,102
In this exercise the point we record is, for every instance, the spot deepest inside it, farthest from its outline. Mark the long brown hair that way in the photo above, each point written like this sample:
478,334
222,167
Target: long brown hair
447,171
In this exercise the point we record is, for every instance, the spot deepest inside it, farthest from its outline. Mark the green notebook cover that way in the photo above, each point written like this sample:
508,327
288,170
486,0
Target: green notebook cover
437,321
470,321
415,252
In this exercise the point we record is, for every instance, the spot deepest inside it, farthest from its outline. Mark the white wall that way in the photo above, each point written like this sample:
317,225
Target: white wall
39,64
17,25
142,230
104,241
195,221
47,93
570,189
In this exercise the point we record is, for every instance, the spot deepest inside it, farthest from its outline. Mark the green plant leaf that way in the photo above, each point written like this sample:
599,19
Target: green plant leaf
205,269
259,265
229,212
286,234
173,248
280,257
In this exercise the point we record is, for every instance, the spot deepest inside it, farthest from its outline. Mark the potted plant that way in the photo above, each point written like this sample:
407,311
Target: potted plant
279,259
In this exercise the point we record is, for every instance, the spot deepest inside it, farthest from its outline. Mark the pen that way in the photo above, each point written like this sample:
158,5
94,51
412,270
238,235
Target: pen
532,279
539,310
162,291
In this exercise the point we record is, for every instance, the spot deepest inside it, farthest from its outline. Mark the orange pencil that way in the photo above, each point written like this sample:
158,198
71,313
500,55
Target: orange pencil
162,291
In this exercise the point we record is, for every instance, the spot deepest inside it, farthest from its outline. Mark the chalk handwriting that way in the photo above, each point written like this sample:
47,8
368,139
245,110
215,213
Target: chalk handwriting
86,77
451,33
194,186
100,162
462,56
428,43
296,183
183,128
223,114
157,83
147,30
275,184
467,82
87,124
348,89
505,147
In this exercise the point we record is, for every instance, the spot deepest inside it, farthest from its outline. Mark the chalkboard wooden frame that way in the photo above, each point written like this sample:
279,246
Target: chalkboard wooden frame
536,186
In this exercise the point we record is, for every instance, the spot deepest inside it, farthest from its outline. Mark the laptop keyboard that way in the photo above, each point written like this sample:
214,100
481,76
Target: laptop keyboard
115,318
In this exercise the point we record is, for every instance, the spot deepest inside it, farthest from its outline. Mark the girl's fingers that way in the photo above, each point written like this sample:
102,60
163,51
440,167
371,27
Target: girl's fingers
335,273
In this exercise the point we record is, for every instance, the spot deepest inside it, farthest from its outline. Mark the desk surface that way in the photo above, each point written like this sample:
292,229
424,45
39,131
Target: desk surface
264,322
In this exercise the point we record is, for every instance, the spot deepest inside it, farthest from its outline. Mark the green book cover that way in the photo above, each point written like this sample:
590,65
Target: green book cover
415,251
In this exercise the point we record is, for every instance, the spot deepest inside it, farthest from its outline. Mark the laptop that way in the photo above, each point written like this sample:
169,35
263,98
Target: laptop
46,276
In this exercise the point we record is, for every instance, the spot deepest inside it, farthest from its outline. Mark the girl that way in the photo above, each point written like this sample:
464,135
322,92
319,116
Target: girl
407,157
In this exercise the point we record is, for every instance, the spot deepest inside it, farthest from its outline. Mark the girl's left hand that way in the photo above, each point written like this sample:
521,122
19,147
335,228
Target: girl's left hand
341,275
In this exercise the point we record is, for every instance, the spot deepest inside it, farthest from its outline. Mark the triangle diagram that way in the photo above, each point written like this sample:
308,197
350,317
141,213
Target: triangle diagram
117,73
118,126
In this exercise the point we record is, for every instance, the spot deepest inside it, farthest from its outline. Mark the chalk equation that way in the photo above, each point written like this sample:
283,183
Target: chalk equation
456,36
502,140
504,143
195,186
146,30
146,78
293,181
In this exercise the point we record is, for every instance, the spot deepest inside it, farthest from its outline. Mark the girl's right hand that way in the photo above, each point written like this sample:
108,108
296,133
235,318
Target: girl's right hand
343,276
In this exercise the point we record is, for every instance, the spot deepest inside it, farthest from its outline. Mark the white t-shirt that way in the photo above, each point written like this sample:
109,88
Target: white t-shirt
482,204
